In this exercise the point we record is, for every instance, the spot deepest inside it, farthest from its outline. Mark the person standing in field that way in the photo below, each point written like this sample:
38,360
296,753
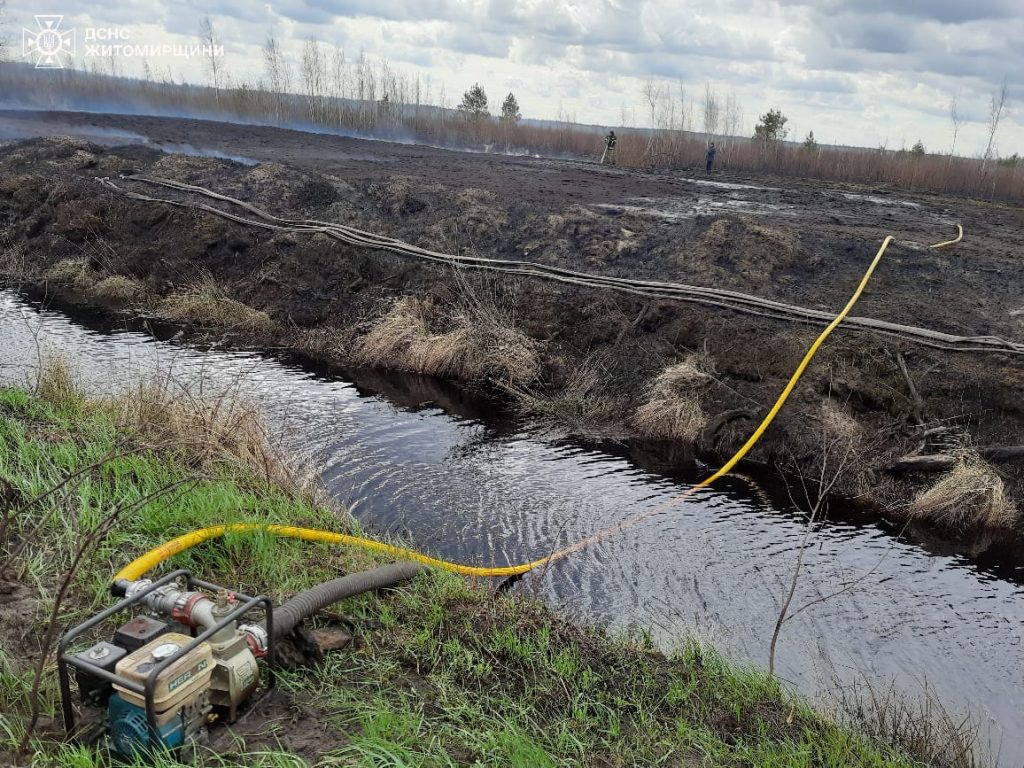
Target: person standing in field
609,149
710,156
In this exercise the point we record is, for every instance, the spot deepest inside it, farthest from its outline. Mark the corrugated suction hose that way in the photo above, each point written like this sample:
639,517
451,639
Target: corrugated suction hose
303,605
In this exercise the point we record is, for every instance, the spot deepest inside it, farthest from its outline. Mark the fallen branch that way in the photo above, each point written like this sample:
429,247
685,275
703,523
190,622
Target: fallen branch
942,462
916,402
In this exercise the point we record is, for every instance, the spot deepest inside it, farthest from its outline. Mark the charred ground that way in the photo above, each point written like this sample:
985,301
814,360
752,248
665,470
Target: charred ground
597,361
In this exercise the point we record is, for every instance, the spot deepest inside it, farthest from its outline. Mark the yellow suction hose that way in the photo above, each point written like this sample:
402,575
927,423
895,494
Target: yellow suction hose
141,565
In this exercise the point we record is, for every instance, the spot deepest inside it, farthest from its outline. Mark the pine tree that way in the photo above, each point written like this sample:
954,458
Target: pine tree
474,103
510,110
772,127
810,143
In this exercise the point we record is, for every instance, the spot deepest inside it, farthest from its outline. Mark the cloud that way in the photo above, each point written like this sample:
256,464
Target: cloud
946,11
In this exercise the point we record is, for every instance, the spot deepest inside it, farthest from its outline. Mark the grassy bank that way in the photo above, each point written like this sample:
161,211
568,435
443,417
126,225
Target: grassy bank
440,672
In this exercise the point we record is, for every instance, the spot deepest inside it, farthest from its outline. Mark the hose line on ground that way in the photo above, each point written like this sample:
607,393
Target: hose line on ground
141,565
717,297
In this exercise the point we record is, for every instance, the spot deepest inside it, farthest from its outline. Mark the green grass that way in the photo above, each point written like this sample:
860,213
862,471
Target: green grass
442,673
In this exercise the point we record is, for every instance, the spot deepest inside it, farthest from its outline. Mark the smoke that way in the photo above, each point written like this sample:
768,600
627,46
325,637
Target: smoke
106,137
92,93
27,127
188,149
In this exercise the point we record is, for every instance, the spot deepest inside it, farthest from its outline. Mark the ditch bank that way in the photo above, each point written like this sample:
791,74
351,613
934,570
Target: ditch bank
592,362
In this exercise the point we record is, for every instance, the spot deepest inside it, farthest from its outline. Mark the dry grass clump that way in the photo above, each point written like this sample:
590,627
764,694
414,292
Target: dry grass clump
838,423
206,303
323,340
225,428
580,405
211,431
118,289
673,409
56,383
970,495
475,345
13,263
74,272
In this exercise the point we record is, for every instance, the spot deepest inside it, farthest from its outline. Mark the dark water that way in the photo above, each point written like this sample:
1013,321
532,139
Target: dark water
464,481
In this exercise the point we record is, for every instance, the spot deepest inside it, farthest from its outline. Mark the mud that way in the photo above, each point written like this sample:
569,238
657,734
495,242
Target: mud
804,242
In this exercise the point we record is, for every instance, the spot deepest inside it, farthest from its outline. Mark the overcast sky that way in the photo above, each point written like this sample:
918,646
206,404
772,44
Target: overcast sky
863,72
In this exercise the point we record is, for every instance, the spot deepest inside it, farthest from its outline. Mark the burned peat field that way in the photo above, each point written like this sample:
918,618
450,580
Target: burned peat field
913,432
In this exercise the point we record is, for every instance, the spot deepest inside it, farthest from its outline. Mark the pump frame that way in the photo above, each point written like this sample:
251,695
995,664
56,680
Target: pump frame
147,689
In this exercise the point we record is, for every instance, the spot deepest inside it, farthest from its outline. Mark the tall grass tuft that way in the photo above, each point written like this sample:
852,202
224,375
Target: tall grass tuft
472,343
205,302
921,727
673,409
970,495
57,384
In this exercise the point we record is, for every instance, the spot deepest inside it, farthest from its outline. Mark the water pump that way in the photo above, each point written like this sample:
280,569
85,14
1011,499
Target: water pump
195,655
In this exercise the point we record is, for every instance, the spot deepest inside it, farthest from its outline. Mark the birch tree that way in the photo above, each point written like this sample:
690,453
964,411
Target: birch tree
996,109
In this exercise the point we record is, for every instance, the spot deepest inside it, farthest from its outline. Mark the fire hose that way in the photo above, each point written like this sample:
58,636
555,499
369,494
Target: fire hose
717,297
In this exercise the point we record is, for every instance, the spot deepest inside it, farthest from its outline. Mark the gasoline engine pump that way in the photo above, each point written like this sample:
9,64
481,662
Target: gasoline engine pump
190,656
193,654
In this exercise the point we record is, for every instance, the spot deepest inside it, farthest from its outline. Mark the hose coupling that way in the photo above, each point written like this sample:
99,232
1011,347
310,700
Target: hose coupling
257,639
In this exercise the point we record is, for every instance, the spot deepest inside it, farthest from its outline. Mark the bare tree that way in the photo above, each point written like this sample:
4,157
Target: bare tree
650,92
733,115
712,110
826,481
278,76
314,78
838,455
997,106
957,119
685,121
339,80
659,103
210,45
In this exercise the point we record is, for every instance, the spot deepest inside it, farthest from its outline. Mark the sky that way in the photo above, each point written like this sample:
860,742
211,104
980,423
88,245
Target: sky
859,72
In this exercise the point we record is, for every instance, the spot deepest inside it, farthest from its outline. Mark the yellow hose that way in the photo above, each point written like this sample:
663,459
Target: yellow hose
944,243
141,565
